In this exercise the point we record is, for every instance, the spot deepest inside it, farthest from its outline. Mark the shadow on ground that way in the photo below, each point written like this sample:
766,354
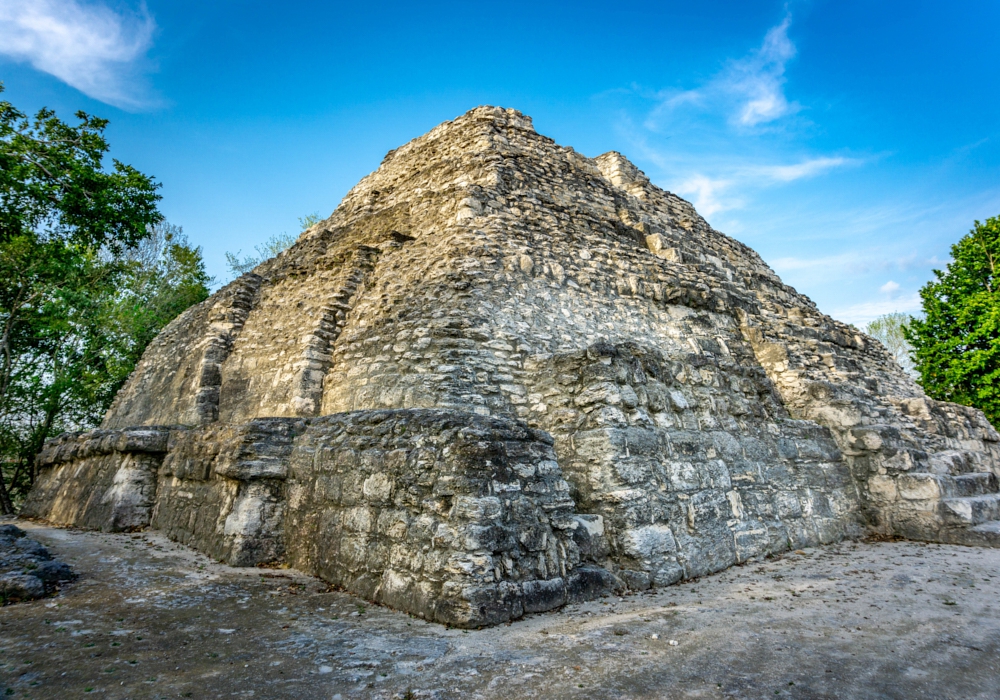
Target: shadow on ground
149,618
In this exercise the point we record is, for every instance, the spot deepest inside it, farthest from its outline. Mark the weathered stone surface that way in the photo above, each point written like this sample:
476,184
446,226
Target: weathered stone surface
677,409
27,569
102,479
446,514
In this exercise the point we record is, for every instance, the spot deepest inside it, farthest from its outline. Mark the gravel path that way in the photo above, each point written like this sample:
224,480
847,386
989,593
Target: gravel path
149,618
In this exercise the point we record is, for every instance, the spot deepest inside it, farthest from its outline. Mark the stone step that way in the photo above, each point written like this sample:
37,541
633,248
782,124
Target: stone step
974,484
983,535
992,527
931,487
952,462
971,510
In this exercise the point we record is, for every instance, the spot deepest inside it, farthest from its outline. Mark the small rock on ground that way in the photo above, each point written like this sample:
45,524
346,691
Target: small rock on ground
27,570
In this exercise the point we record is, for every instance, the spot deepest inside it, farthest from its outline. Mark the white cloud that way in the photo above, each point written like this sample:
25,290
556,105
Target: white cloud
760,78
713,194
860,314
797,171
704,193
88,46
750,90
889,287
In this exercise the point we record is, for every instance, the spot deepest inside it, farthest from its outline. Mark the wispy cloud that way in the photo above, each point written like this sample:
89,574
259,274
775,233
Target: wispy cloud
88,46
860,314
732,136
798,171
714,194
750,89
760,78
704,193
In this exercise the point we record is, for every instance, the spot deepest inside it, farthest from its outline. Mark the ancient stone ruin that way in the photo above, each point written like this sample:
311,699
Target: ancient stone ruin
503,376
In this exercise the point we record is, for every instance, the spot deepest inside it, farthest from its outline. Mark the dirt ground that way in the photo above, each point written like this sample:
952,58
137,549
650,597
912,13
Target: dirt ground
149,618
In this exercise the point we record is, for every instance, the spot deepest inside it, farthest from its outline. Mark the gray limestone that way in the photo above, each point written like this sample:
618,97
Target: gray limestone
27,569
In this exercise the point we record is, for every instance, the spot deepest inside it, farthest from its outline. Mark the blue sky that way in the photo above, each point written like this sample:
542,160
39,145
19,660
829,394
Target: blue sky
850,143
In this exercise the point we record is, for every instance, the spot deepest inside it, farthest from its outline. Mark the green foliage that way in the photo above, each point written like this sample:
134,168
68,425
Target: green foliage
269,248
309,220
53,185
52,365
88,275
956,346
890,331
161,277
265,251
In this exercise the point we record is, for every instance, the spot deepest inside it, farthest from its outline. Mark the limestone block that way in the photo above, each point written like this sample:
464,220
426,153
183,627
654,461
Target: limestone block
751,540
658,244
883,489
132,493
650,542
918,487
378,487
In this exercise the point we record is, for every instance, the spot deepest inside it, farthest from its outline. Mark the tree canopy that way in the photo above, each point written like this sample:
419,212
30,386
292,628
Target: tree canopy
89,273
956,346
53,185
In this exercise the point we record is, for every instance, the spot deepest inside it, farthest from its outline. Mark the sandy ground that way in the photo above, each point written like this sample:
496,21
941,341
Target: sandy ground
152,619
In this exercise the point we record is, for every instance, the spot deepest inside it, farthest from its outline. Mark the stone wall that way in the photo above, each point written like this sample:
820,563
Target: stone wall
280,359
452,516
221,489
103,479
448,515
924,469
196,343
692,461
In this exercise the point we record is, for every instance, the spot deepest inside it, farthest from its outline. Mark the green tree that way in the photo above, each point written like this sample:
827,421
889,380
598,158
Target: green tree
88,275
161,277
956,346
49,365
269,248
87,338
889,329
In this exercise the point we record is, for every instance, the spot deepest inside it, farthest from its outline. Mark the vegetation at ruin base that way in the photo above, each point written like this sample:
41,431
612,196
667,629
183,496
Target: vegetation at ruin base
956,346
888,329
89,274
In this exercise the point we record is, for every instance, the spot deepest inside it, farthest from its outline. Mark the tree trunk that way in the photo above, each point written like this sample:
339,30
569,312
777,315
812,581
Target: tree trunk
5,503
40,437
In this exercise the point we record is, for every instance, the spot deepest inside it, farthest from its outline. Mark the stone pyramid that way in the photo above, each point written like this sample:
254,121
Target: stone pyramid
503,376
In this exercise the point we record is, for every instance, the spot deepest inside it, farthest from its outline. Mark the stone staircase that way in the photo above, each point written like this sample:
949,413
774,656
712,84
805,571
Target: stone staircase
964,503
312,369
970,505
